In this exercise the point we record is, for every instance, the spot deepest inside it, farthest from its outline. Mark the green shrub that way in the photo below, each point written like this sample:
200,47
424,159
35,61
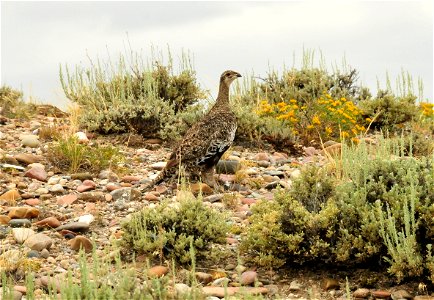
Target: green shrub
134,98
168,230
69,154
389,112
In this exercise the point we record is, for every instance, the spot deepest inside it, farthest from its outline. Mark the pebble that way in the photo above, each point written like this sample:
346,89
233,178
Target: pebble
126,194
50,222
380,294
182,289
31,141
158,166
227,166
158,271
91,196
203,277
26,158
21,234
24,212
4,219
248,277
401,294
213,198
294,286
36,173
20,223
223,292
81,242
67,199
86,219
330,284
57,188
361,293
10,196
196,188
86,186
74,226
38,242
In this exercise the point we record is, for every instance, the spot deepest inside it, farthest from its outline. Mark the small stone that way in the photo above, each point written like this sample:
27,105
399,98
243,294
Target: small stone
264,163
294,286
74,226
49,282
151,197
380,294
81,176
112,186
36,173
310,151
295,174
213,198
203,277
196,188
91,196
158,271
31,141
33,254
330,284
86,219
81,137
57,188
32,201
67,199
361,293
423,297
21,234
45,253
159,165
248,277
81,242
4,219
38,242
130,178
262,157
86,186
24,212
126,194
27,159
182,289
223,292
10,196
228,166
401,294
50,222
20,223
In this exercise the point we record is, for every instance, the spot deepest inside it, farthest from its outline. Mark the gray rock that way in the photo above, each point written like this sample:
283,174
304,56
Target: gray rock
275,173
74,226
227,167
126,194
57,188
20,223
213,198
38,242
31,141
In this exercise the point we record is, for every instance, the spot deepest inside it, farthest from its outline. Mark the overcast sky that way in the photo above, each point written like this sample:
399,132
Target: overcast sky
374,37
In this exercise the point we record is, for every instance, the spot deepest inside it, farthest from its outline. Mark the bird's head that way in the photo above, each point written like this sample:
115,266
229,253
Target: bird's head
229,76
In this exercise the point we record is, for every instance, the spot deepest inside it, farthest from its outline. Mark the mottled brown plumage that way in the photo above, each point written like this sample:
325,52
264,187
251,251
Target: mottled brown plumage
205,142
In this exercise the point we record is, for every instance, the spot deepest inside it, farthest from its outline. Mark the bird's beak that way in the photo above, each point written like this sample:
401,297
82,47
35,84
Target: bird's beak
238,74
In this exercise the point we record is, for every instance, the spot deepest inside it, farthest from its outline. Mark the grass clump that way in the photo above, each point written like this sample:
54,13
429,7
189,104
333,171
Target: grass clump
167,230
69,154
12,104
152,101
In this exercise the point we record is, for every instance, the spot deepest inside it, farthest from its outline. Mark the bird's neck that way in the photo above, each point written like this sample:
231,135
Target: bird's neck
223,95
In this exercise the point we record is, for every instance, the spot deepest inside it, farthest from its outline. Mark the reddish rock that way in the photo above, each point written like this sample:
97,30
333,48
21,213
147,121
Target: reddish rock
4,220
151,197
112,186
27,159
248,277
125,184
81,242
380,294
330,284
158,271
203,277
67,199
197,187
86,186
222,292
262,156
32,201
248,201
23,212
51,222
130,178
361,293
10,196
36,173
161,189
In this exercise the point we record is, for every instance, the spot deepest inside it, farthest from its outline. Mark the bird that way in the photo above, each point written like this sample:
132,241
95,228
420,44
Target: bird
207,140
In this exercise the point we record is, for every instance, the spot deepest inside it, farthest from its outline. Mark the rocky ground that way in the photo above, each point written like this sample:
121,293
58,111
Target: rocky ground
48,216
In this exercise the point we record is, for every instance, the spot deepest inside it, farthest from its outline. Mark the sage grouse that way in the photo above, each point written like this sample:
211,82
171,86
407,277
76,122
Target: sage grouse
205,142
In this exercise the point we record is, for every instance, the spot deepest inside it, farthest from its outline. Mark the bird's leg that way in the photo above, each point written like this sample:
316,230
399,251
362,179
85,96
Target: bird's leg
208,177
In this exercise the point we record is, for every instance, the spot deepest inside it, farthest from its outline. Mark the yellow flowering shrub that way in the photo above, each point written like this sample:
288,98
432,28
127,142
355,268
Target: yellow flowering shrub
324,118
427,109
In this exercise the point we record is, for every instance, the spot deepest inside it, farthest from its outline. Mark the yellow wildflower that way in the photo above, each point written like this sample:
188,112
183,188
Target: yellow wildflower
310,126
329,130
293,101
316,120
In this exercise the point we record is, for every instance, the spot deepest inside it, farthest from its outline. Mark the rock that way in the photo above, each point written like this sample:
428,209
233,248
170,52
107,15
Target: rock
263,163
151,197
213,198
248,277
10,196
262,156
33,254
86,219
158,166
203,277
20,223
126,194
294,286
91,196
310,151
332,150
423,297
4,219
38,242
361,293
130,178
227,166
24,212
222,292
158,271
57,188
21,234
74,226
36,173
45,253
50,222
49,282
295,174
86,186
109,175
31,141
196,188
182,289
81,242
401,294
330,284
81,176
67,199
112,186
27,159
272,185
380,294
32,201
